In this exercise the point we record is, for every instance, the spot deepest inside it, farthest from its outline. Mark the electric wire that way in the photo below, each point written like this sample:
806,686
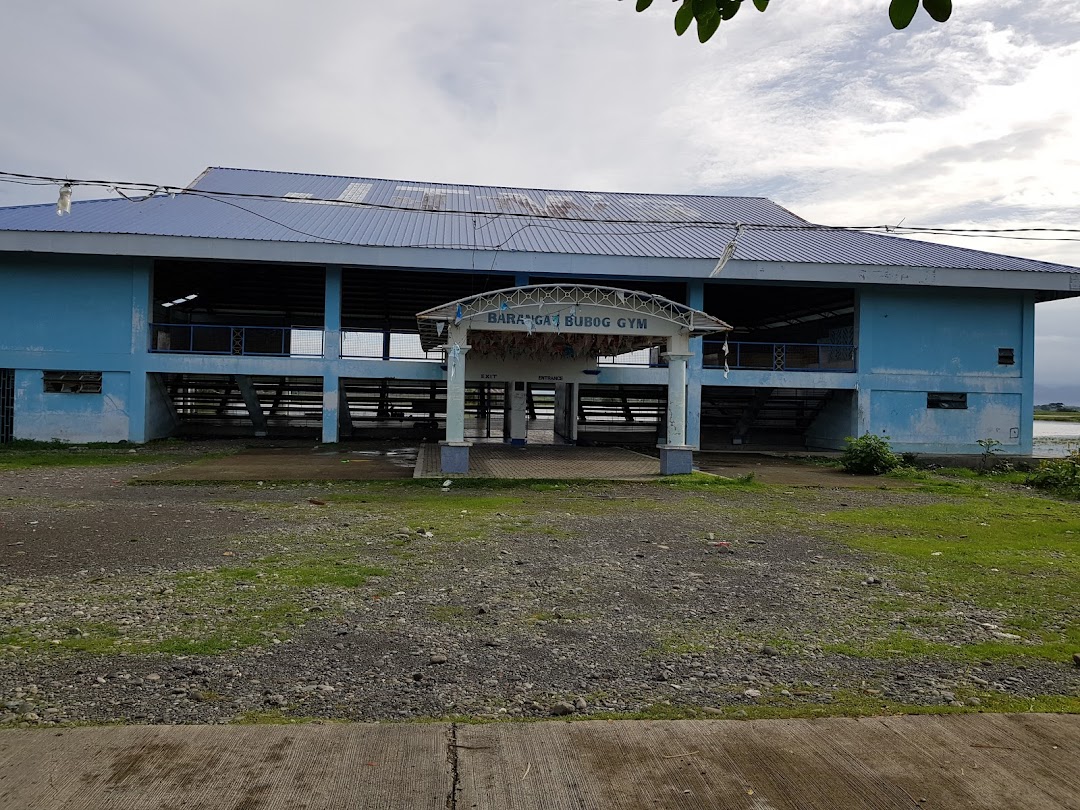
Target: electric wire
536,219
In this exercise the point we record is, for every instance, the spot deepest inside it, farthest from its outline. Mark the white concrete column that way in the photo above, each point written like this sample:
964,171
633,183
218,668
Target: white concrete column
518,406
455,390
676,410
675,455
454,452
677,356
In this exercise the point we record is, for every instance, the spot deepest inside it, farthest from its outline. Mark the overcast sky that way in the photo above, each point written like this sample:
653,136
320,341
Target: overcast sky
818,105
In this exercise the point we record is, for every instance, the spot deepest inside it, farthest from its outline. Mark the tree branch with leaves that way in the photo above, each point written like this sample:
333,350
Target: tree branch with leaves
708,14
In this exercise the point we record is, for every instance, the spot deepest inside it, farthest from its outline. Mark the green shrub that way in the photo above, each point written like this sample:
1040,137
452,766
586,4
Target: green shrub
1058,475
869,455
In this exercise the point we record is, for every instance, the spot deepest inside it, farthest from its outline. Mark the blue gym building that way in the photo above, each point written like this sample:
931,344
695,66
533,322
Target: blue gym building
266,303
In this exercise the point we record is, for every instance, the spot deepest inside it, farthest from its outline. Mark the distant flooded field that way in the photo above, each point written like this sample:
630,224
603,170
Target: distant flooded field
1055,439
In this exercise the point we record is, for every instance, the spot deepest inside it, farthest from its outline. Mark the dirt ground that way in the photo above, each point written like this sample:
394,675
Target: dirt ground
352,600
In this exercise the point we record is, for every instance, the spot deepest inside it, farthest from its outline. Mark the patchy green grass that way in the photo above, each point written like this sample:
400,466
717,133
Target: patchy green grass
220,609
25,454
452,614
1056,416
844,703
898,644
26,459
1017,555
275,717
704,482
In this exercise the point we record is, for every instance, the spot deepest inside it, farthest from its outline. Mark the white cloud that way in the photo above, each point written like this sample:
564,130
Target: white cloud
820,106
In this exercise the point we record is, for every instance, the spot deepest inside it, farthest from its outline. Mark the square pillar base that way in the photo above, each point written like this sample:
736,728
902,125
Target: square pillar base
676,459
454,457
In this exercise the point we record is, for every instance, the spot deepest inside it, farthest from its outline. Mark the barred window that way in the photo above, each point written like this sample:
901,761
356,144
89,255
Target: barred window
72,382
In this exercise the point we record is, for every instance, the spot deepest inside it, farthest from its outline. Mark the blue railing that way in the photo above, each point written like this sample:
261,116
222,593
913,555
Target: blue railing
251,341
376,344
780,356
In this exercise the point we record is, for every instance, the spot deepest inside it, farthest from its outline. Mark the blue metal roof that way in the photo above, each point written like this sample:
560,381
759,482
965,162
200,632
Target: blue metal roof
389,213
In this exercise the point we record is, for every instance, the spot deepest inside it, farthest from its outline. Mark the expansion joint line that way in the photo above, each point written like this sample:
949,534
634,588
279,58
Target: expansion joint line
452,761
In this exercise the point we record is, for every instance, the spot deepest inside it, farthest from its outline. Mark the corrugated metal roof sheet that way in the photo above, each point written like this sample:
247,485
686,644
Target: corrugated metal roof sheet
317,209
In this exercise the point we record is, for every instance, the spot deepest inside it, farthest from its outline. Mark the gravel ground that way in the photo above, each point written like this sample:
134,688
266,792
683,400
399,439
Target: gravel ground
609,598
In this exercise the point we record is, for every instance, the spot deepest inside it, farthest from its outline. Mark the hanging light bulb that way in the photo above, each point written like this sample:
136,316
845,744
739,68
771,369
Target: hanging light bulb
63,205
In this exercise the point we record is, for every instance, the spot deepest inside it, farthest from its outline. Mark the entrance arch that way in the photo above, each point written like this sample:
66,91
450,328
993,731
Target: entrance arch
561,330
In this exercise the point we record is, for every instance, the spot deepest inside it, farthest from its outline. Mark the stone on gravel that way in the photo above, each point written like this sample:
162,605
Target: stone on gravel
753,694
561,708
581,704
437,658
275,700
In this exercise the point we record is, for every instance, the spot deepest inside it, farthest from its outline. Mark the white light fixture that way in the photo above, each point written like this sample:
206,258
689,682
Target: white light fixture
63,205
183,300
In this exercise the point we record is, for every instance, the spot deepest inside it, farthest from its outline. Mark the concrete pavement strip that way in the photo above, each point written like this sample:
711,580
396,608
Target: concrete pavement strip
957,762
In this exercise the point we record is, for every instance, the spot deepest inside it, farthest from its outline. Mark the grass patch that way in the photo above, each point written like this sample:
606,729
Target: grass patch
68,457
1056,416
698,482
448,613
216,610
272,717
898,644
1016,555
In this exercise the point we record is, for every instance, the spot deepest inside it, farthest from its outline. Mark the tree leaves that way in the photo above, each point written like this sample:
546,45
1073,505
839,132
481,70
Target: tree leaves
707,23
940,10
902,12
684,16
710,13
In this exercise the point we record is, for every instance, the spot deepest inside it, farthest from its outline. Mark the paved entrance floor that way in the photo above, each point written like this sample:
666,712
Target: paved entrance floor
958,762
544,461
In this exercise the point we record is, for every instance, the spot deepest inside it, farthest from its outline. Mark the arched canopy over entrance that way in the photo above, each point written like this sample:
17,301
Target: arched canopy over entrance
561,323
610,320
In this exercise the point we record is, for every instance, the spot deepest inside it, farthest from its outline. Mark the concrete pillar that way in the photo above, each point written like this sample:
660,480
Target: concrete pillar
454,451
695,297
254,407
332,314
142,308
518,406
137,405
676,457
1027,375
331,413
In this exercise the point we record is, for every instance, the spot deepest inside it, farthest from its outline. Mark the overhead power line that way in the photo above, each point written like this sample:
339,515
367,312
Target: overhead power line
126,188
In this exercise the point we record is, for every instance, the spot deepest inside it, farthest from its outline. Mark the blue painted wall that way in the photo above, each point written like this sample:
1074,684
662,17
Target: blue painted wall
913,342
71,314
72,417
57,312
89,314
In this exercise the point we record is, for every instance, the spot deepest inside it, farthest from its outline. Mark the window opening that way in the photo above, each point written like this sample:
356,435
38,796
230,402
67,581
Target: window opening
72,382
947,401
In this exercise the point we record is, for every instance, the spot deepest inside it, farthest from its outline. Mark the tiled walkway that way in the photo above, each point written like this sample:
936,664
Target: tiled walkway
544,461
